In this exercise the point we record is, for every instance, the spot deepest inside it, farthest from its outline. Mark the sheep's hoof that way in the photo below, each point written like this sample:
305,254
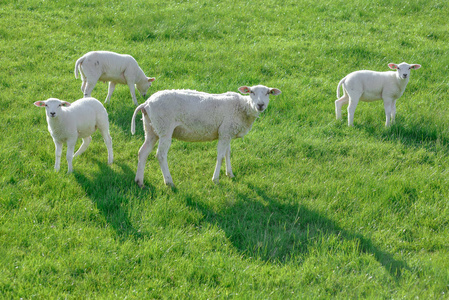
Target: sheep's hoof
139,183
170,185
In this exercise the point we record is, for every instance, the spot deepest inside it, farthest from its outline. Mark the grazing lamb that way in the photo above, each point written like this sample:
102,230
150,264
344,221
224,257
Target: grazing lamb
69,121
371,86
196,117
112,67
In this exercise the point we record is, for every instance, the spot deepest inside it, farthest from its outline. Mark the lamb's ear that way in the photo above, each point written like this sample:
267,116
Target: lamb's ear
151,79
39,103
244,90
415,67
393,66
275,92
65,103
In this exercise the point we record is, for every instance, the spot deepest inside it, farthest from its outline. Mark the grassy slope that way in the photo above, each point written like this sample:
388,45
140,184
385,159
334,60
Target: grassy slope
316,209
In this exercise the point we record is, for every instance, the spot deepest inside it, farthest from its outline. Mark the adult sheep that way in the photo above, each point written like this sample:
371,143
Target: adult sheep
371,86
114,68
196,117
67,122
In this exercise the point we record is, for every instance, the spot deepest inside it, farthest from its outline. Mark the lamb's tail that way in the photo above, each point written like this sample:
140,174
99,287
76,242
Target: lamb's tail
141,107
77,66
338,87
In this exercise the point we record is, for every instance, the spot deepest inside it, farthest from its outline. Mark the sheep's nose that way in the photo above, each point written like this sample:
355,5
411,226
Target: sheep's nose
405,75
260,106
52,113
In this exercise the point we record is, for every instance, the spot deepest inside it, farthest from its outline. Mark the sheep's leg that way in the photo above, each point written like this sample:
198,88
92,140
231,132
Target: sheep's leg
353,101
388,111
162,151
223,145
83,85
84,145
69,155
228,162
144,151
393,111
58,152
111,89
339,104
132,90
89,88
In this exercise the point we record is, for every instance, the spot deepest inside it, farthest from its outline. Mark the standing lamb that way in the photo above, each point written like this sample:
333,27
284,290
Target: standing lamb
112,67
371,86
196,117
67,122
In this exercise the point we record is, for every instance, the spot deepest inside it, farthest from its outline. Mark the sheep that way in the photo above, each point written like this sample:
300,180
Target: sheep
196,117
69,121
371,86
112,67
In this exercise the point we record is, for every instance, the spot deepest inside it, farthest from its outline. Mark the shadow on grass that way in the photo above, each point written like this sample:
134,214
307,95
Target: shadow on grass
414,133
110,190
277,232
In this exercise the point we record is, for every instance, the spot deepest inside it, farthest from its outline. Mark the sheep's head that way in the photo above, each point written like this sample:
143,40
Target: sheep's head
144,85
52,106
259,95
403,69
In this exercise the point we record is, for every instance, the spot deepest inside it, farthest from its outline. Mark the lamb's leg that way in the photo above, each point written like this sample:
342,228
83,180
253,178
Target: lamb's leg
339,104
162,151
132,90
388,111
353,101
89,88
84,145
393,111
58,152
69,155
111,89
228,162
144,151
223,145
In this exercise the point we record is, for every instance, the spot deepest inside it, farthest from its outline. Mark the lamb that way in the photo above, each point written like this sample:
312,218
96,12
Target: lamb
69,121
196,117
371,86
112,67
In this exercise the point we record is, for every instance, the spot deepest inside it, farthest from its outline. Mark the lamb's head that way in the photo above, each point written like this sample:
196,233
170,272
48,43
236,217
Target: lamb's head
52,106
143,85
403,69
259,95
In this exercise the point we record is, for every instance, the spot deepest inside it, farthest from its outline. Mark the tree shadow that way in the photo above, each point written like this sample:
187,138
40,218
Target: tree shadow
274,231
106,189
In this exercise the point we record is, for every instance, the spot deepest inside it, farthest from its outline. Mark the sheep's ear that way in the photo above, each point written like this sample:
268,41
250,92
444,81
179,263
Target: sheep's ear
244,90
275,92
39,103
415,67
151,79
393,66
65,104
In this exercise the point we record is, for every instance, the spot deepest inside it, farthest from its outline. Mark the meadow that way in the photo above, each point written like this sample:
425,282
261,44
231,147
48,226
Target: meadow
317,210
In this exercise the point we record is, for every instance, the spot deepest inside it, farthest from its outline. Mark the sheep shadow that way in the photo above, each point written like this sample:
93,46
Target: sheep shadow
106,189
278,232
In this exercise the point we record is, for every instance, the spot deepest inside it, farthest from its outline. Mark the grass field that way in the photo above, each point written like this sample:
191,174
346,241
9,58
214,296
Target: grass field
317,209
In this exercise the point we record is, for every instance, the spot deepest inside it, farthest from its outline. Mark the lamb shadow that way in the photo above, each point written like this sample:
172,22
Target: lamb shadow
277,232
105,189
411,134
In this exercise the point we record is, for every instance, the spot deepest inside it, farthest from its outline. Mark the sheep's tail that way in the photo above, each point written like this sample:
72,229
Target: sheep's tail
133,120
77,66
338,87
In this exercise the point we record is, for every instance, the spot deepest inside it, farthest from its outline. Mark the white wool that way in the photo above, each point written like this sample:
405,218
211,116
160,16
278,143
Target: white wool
114,68
196,117
371,86
67,122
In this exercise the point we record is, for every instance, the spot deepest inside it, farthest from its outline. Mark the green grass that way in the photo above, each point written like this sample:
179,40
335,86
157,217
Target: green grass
317,209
